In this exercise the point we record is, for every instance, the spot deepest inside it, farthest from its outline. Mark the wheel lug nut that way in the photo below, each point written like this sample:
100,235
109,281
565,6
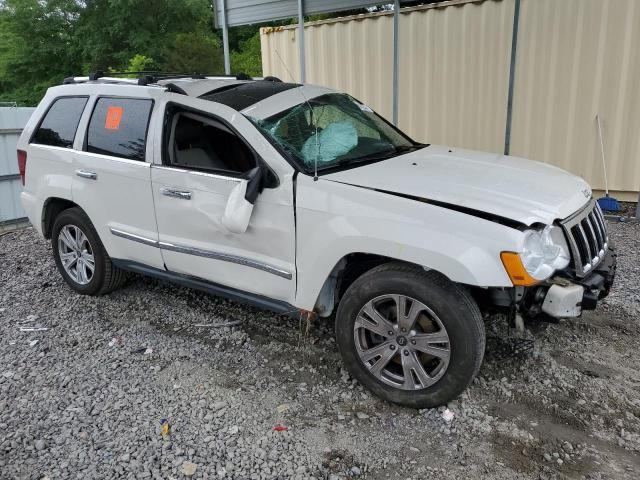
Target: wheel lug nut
413,342
392,347
403,329
406,352
390,332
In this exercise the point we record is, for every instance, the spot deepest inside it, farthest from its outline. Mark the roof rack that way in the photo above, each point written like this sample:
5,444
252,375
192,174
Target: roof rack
147,77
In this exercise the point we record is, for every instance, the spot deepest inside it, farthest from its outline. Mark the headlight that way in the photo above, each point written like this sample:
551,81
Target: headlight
545,251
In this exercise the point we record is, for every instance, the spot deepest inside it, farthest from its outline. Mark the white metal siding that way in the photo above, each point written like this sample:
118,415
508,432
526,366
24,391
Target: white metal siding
12,120
577,58
450,90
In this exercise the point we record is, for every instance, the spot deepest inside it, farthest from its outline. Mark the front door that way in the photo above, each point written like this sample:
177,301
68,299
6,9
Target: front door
203,156
112,181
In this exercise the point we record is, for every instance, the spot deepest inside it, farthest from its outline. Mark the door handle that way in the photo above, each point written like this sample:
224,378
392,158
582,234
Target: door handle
87,174
170,192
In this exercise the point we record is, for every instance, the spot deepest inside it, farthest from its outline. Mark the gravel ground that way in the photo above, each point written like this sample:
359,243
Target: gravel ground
85,398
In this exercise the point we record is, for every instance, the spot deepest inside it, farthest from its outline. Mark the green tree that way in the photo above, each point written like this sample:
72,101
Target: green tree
140,63
36,47
249,59
193,52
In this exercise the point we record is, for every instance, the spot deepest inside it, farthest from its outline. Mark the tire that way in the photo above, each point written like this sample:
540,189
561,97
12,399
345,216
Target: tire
446,318
72,225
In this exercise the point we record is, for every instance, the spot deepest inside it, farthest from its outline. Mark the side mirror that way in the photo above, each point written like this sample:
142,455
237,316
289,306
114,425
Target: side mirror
237,212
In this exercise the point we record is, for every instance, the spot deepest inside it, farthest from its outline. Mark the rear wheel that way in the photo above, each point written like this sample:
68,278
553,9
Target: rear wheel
412,337
80,256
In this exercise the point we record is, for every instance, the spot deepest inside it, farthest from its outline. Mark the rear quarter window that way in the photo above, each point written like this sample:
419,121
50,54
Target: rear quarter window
59,125
118,127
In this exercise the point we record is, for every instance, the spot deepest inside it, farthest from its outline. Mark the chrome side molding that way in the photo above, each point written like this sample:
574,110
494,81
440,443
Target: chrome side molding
224,257
133,237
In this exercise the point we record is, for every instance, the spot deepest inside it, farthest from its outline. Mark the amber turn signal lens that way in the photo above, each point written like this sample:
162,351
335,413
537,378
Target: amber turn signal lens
516,271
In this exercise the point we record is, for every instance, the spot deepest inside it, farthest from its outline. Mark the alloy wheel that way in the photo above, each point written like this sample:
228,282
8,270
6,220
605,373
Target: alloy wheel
402,342
76,254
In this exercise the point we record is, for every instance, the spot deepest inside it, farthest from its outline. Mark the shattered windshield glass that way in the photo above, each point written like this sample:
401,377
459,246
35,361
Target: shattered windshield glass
335,130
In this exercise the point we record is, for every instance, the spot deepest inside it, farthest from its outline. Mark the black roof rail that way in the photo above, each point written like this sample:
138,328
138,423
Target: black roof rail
172,87
151,77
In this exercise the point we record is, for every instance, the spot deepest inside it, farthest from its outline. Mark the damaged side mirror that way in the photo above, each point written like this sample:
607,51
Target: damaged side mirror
237,212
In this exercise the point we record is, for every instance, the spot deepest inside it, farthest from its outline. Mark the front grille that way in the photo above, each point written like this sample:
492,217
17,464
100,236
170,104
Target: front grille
586,233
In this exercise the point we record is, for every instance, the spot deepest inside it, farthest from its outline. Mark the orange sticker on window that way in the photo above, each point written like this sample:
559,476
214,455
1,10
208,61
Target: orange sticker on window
114,115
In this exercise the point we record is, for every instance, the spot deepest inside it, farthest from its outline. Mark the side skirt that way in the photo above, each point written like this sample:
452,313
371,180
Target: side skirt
258,301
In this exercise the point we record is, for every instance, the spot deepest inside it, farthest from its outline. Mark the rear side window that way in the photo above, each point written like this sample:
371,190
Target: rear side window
118,127
59,125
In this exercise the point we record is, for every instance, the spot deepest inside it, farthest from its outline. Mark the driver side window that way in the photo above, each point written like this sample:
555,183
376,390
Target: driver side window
203,143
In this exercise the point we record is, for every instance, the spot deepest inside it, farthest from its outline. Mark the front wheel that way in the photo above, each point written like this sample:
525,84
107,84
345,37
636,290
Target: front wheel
410,336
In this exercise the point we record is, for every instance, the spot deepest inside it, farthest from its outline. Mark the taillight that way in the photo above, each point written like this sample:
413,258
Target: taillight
22,164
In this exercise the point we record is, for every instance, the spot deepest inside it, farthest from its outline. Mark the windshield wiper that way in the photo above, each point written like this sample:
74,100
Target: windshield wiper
410,148
380,155
366,158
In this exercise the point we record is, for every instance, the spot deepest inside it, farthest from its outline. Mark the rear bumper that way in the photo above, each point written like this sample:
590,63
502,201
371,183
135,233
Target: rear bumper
568,297
30,205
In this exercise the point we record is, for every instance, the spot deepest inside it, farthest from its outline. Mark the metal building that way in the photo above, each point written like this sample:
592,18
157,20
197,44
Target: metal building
12,121
564,62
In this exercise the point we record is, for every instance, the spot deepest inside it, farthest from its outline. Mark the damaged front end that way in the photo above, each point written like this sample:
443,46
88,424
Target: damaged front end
567,295
587,278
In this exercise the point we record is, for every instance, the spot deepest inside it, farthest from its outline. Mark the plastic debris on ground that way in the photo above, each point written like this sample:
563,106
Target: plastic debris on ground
165,430
188,468
144,350
280,428
447,415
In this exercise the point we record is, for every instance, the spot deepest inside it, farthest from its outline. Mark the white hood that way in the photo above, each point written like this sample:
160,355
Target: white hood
510,187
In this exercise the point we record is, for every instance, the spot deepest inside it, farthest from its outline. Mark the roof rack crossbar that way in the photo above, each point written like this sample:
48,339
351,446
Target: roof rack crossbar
151,78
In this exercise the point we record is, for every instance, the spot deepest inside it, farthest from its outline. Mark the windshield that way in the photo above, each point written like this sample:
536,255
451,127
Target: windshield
336,130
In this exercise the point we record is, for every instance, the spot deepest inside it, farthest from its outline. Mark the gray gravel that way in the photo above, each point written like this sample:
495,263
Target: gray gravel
85,398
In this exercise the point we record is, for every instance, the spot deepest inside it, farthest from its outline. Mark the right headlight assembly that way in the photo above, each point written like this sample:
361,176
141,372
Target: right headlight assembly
544,251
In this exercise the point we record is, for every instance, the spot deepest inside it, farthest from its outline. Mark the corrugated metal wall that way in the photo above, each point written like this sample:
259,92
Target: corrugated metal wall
574,58
577,58
329,62
449,91
12,121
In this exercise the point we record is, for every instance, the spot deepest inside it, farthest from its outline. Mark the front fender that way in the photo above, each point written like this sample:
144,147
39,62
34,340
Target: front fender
335,219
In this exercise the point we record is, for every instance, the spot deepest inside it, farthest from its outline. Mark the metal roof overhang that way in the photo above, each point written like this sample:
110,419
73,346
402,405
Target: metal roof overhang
244,12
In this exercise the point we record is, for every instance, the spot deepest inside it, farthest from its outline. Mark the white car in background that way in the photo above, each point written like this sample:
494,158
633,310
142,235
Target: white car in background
298,198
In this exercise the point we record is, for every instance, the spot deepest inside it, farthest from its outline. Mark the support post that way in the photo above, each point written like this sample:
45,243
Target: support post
301,40
512,75
225,38
396,59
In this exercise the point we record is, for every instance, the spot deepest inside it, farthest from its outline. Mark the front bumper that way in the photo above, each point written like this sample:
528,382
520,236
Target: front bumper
567,296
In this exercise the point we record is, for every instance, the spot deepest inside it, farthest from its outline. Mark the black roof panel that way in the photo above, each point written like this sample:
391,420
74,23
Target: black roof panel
243,95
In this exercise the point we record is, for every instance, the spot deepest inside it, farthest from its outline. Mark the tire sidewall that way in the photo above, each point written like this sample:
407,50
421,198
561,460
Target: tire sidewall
442,298
78,219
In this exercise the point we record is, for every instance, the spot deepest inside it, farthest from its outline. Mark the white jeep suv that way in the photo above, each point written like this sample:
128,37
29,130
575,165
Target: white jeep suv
300,199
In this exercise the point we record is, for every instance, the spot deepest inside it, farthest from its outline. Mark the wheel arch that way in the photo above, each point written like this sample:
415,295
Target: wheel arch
346,271
52,207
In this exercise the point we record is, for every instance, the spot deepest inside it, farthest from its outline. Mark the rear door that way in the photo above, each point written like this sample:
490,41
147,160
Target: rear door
111,178
49,153
204,154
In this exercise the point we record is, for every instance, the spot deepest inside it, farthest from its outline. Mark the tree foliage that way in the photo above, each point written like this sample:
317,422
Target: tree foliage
44,41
